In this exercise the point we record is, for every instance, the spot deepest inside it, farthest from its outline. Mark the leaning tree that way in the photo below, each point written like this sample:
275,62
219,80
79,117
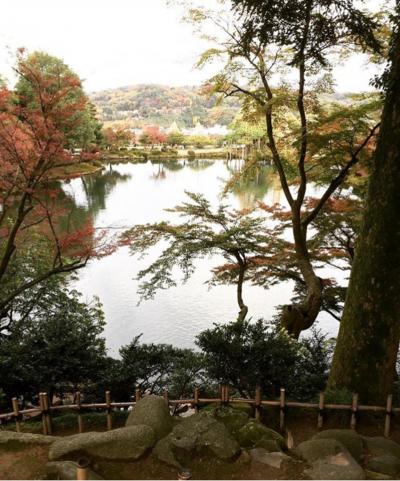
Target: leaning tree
264,47
237,235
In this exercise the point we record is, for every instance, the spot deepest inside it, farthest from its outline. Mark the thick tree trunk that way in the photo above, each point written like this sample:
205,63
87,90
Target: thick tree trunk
368,341
242,306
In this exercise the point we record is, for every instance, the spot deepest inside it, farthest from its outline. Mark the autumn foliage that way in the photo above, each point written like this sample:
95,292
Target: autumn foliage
32,143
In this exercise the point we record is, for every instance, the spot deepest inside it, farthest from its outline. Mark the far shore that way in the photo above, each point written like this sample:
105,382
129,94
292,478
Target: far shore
82,168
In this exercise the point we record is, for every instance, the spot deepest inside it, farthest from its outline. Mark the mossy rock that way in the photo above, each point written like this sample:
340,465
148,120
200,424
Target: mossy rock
152,411
233,419
379,445
252,433
119,444
349,438
11,438
385,464
329,459
163,451
197,435
315,449
270,445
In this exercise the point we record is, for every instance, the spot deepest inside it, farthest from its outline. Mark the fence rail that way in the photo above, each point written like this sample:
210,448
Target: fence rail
224,398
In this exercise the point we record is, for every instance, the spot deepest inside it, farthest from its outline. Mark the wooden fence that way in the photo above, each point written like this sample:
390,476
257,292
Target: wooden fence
223,399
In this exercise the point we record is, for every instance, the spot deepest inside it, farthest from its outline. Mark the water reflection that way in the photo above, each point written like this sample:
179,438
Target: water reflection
127,194
200,164
98,187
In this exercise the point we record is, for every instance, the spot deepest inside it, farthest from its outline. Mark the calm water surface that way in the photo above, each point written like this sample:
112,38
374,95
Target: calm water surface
127,194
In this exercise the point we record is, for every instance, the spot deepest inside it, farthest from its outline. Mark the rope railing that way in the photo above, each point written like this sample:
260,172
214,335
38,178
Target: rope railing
45,409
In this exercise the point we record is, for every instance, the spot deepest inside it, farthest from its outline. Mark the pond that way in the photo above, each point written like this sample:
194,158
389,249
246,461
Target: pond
126,194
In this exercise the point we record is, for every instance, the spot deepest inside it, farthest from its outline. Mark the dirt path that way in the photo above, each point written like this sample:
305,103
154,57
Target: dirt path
26,463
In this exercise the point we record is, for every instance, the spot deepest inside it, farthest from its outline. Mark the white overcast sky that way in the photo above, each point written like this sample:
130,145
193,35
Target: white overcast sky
114,43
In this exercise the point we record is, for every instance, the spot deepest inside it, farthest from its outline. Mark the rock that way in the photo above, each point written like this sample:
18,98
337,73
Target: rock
340,466
11,437
233,419
200,432
316,449
66,470
244,458
252,432
152,411
385,464
275,460
269,445
329,459
118,444
373,475
349,438
242,407
379,445
163,452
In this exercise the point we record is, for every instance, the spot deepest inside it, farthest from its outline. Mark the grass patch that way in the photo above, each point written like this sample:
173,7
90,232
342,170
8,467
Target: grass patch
75,170
67,423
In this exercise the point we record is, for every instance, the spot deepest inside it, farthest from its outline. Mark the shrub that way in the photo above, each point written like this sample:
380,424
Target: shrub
247,354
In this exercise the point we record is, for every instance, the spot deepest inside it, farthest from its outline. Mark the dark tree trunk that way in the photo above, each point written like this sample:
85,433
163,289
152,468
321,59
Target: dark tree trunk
368,341
242,306
299,317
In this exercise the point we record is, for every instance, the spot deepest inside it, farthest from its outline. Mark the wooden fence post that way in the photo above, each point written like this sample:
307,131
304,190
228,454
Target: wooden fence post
221,393
16,414
166,397
78,403
321,409
109,415
227,394
282,410
389,404
82,469
137,394
43,409
46,401
257,403
354,407
196,399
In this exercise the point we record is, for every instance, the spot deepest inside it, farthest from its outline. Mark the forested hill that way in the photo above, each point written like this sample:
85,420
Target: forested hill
140,105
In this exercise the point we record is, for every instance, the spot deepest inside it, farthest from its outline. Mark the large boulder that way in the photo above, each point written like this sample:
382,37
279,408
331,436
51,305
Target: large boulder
379,445
233,419
163,450
341,466
66,470
315,449
254,434
8,438
196,434
385,464
274,460
329,459
202,431
373,475
152,411
349,438
119,444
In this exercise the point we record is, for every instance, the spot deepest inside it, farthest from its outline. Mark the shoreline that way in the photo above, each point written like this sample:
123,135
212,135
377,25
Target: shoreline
79,169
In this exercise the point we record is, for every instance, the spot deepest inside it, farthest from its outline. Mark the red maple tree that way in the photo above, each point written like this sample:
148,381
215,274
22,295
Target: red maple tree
32,143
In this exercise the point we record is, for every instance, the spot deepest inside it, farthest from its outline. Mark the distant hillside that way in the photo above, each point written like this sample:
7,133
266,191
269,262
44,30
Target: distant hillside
140,105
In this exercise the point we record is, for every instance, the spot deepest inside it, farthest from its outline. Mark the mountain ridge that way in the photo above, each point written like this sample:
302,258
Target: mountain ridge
157,104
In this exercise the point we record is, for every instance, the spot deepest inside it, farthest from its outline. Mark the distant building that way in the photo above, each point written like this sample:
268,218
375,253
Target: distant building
173,128
198,129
